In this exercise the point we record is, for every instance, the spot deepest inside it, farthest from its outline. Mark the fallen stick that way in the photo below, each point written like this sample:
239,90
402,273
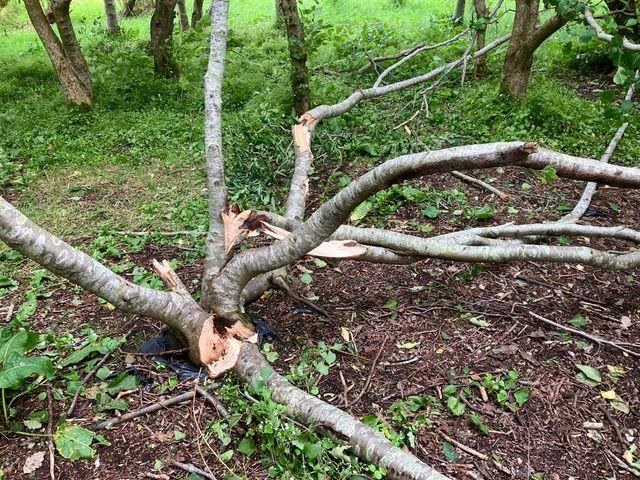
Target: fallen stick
88,376
593,338
284,286
475,453
370,376
479,183
213,400
615,426
52,458
184,397
190,468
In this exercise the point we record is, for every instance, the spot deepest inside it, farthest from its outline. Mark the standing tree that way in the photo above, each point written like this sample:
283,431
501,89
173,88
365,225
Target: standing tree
482,16
526,37
161,38
112,17
196,15
217,332
298,54
458,15
64,51
184,17
127,10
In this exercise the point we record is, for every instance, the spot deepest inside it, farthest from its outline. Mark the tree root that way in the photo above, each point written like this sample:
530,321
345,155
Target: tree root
366,443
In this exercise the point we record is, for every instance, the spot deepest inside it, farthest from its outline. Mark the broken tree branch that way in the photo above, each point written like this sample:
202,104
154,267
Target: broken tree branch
602,35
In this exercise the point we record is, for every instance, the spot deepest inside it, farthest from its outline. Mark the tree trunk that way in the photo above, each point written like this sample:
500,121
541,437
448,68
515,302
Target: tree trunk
127,11
65,55
458,16
298,54
481,13
525,39
112,17
279,13
184,18
161,38
196,16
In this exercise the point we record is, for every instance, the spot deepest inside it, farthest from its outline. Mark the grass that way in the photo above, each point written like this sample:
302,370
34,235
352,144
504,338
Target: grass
136,160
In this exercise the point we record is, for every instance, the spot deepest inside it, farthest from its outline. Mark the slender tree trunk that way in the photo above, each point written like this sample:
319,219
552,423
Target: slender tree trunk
65,54
525,39
458,15
184,18
112,17
161,38
298,54
279,13
481,13
196,16
127,11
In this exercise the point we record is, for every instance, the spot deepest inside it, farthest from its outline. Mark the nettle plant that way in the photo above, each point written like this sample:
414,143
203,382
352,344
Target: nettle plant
217,330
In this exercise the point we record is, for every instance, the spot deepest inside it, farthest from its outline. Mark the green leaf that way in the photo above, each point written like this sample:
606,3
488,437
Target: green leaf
455,405
521,396
6,282
477,422
178,435
313,450
391,304
620,406
484,212
306,278
361,211
579,321
18,369
32,424
121,383
621,76
430,211
74,442
590,373
479,322
449,452
226,456
322,368
247,446
17,345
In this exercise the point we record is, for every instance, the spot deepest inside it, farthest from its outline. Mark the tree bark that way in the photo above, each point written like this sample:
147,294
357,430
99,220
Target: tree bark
127,11
112,17
298,54
481,13
458,16
161,38
184,18
525,39
196,15
65,54
279,13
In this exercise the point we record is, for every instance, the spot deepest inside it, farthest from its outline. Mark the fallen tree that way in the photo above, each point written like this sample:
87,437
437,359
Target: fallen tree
217,330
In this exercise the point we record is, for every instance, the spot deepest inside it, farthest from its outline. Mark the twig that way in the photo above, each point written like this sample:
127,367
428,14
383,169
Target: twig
190,468
480,183
621,463
473,407
213,400
370,376
593,338
195,233
284,286
184,397
88,376
52,460
474,453
568,292
157,476
615,426
158,354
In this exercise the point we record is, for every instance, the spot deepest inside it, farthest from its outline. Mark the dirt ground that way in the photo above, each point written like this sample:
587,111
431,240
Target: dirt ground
547,435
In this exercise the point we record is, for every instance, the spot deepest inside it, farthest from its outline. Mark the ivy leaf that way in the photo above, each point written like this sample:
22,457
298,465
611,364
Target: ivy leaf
479,424
361,211
449,452
588,375
306,278
521,396
121,383
456,406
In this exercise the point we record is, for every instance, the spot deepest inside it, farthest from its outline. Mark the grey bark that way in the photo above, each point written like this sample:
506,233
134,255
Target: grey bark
217,191
112,17
458,15
184,18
